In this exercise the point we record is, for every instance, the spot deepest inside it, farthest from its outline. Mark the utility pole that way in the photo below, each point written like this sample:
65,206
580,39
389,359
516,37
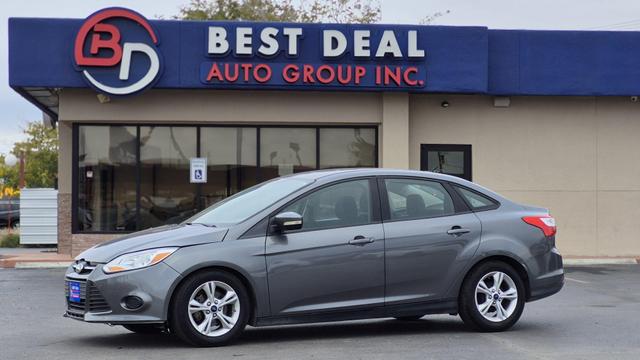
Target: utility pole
10,161
21,178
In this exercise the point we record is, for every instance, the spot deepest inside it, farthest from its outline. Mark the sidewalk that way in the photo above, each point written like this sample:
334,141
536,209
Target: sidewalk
33,258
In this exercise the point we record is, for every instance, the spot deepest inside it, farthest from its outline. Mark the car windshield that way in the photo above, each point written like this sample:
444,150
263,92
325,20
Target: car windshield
244,204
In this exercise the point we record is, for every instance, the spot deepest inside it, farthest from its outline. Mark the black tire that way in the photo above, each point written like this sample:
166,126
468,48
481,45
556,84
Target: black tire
467,308
409,318
144,328
179,320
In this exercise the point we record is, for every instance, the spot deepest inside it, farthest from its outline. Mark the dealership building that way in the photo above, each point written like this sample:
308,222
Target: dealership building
547,118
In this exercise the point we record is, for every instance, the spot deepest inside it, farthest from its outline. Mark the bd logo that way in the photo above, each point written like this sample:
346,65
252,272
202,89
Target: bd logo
116,51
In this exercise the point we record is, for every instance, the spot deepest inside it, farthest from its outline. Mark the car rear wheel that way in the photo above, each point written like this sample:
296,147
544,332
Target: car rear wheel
210,308
492,297
144,328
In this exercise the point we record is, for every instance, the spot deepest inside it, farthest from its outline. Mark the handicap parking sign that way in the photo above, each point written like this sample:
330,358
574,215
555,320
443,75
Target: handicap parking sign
198,173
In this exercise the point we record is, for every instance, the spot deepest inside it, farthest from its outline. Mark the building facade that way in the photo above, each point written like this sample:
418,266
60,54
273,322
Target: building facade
547,118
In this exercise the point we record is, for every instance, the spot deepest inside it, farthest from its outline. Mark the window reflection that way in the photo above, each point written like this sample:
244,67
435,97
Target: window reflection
231,161
446,162
347,148
285,151
166,195
345,204
106,178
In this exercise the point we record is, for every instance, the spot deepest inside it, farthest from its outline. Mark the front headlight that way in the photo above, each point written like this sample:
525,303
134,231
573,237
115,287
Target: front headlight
137,260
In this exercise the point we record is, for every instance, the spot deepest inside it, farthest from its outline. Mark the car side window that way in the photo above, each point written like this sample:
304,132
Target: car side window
416,199
343,204
475,200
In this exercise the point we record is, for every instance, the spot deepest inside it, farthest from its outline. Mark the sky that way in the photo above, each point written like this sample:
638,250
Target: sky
623,15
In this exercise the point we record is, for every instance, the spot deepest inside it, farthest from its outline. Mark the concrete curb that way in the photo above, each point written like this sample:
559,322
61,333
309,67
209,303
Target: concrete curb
41,264
600,261
34,262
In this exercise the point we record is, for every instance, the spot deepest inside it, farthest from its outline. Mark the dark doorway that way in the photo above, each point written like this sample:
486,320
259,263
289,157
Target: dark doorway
446,159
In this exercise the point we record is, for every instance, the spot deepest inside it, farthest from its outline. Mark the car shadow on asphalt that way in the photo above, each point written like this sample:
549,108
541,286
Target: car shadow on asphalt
273,334
386,328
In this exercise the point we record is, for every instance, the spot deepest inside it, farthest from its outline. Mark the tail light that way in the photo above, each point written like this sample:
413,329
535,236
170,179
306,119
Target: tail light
545,223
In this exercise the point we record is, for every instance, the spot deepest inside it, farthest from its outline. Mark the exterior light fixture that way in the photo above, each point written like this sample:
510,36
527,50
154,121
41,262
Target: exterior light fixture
103,99
501,101
10,160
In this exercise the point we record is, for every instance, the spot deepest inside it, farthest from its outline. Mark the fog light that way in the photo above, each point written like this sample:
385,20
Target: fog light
132,302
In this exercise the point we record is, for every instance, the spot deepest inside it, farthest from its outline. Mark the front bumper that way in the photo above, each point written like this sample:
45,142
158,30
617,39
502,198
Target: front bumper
101,295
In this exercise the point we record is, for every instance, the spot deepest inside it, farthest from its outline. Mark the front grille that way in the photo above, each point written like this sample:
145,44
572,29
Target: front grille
91,300
76,309
96,303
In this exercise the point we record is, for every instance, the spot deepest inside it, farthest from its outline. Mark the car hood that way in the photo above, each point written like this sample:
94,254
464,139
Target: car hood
164,236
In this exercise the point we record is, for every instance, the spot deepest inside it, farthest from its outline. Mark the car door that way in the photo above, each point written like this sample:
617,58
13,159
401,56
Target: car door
429,238
336,260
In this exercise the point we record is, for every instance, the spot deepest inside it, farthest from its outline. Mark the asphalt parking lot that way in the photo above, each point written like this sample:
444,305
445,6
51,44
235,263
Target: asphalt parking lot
596,315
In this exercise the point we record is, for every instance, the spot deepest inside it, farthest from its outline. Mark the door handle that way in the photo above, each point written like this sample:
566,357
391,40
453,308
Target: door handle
361,240
457,231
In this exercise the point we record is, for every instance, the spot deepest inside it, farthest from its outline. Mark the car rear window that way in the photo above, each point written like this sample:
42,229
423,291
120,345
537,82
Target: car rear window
475,200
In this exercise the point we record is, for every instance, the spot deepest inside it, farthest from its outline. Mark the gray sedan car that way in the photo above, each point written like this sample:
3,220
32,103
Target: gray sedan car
325,246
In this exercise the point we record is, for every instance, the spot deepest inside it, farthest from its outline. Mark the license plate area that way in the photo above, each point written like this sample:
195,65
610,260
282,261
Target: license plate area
74,292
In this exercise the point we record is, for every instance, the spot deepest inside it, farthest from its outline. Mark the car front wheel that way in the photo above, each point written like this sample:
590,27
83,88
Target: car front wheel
492,297
210,308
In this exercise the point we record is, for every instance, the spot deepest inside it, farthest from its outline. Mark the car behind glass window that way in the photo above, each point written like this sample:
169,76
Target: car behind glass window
415,199
344,204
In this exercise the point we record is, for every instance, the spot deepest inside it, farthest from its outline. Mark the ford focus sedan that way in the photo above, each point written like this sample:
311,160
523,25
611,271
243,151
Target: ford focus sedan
325,246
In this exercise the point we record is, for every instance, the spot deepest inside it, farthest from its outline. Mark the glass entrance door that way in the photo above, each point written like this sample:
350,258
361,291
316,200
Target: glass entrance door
447,159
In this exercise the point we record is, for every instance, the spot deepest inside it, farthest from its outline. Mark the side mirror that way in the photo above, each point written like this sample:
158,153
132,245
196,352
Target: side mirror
286,221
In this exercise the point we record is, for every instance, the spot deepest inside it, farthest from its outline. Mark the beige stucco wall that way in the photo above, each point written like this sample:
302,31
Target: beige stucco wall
577,156
233,106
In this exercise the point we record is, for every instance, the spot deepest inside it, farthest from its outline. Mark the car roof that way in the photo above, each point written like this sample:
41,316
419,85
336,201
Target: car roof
328,175
356,172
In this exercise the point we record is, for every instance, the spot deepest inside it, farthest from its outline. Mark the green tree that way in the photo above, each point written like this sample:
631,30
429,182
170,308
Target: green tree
332,11
40,151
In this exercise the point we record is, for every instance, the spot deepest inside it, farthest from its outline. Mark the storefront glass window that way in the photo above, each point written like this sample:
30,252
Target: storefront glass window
284,151
166,195
231,161
135,177
347,147
106,187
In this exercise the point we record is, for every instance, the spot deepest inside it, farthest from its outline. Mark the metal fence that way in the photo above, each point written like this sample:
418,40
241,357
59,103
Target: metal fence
38,216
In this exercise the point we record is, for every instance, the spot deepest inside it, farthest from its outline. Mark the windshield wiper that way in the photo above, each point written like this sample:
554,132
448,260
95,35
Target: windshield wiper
195,223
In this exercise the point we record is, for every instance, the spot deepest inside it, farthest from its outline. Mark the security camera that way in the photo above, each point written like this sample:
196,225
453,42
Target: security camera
634,99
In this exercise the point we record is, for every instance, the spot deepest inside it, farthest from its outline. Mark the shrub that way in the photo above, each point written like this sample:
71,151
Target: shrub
10,240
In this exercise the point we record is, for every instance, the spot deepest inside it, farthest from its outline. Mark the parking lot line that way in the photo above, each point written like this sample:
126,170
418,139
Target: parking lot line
576,280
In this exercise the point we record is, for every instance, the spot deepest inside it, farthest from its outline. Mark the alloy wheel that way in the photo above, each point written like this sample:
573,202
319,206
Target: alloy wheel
496,296
214,308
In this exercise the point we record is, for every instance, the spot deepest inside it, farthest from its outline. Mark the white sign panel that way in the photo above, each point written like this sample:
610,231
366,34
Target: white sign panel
285,169
198,172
